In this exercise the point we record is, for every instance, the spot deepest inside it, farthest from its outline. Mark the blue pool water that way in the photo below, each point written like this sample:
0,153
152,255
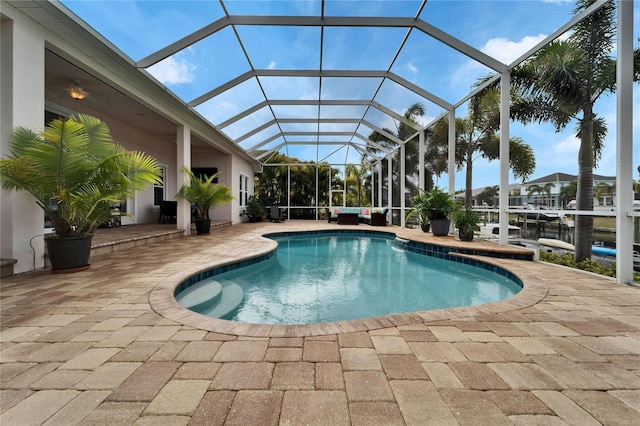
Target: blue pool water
333,278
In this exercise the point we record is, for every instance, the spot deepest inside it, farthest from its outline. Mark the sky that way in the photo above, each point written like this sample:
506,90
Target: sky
503,30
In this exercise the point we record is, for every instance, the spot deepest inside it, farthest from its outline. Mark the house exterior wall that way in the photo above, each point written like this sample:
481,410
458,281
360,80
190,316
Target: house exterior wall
553,198
22,103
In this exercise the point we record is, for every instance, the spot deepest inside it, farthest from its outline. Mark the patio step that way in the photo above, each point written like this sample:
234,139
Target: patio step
200,295
232,296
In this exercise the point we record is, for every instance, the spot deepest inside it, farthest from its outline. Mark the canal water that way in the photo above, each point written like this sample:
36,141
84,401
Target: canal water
531,231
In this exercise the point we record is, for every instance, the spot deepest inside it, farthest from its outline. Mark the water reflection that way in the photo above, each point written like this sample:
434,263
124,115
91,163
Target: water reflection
533,232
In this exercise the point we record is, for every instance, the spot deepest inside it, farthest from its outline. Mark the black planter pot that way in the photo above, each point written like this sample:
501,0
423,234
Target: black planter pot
69,254
426,227
465,236
203,226
440,227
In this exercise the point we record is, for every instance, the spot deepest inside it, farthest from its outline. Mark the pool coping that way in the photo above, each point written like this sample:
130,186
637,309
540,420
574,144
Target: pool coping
163,302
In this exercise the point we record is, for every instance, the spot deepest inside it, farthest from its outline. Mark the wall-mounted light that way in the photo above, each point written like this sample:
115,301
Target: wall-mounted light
77,92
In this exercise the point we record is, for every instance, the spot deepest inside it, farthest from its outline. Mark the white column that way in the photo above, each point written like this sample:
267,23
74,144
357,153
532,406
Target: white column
390,186
403,182
380,180
452,155
452,151
624,145
21,104
421,151
183,159
289,191
505,111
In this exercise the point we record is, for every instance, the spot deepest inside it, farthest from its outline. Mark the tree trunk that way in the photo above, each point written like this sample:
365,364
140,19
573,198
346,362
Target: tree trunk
584,199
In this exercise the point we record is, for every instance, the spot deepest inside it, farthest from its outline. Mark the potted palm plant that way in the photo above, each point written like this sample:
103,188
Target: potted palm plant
439,205
421,210
76,173
466,220
203,194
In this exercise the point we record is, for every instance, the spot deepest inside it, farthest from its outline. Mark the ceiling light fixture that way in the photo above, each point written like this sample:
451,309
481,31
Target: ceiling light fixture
77,92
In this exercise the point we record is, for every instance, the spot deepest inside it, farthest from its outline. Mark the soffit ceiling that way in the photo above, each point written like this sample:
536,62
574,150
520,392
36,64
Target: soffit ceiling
313,79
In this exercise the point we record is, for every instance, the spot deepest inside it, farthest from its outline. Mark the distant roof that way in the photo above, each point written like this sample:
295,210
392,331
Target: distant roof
565,177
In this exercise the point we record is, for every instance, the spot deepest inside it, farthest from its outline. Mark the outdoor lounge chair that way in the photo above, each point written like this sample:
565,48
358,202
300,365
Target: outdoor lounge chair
274,214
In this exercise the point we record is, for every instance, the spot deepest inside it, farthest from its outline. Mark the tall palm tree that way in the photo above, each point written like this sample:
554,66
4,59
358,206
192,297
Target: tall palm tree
477,136
357,177
534,189
435,155
602,189
489,195
561,83
546,189
568,192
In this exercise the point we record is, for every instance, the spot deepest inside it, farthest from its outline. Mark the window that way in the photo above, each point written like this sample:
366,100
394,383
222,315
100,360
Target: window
159,190
244,191
201,172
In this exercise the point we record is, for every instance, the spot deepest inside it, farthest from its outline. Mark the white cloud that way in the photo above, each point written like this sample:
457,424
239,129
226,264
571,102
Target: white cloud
412,68
173,71
507,51
272,65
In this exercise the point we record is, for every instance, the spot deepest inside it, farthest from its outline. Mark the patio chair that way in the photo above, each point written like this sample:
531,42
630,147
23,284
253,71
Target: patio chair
274,214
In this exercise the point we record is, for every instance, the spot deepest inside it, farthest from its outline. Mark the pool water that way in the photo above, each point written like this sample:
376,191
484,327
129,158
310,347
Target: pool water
333,278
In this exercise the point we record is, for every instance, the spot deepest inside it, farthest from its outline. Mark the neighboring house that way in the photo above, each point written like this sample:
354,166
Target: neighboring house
546,190
46,57
514,196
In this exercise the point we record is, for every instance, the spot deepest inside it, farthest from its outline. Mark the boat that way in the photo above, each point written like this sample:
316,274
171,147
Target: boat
539,213
597,250
552,242
492,230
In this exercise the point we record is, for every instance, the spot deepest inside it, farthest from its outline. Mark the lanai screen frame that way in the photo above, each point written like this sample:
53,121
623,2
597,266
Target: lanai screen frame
624,123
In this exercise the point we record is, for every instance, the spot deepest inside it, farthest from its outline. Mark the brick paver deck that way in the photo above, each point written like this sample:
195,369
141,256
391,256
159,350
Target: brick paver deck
106,346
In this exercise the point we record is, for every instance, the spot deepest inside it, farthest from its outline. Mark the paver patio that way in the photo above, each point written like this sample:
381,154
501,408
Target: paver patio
91,348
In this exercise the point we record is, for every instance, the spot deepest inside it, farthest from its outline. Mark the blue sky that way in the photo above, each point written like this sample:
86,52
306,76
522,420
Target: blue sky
501,29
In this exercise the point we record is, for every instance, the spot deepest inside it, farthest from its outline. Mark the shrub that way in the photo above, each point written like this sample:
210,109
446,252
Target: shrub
589,265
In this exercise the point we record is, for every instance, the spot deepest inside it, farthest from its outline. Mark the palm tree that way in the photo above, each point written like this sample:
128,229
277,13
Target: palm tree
534,189
357,177
561,83
477,135
546,189
602,189
568,192
75,171
489,195
435,154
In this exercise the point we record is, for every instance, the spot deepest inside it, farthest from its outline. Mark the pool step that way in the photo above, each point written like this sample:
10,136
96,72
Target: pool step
231,298
200,295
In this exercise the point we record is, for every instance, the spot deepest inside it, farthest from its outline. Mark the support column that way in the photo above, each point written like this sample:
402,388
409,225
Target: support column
452,151
390,186
183,159
21,104
452,155
380,181
624,144
403,182
505,111
421,151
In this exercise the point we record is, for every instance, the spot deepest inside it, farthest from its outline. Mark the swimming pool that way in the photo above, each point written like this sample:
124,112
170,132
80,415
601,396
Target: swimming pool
324,277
